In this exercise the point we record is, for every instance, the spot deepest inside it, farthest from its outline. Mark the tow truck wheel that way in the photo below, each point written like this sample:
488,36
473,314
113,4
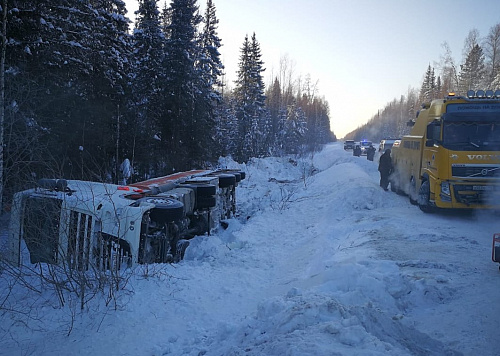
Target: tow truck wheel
424,194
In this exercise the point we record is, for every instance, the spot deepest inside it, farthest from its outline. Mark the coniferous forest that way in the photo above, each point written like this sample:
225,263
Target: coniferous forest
479,68
84,88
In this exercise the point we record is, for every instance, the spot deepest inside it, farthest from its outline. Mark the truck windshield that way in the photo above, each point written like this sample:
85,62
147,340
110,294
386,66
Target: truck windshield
471,136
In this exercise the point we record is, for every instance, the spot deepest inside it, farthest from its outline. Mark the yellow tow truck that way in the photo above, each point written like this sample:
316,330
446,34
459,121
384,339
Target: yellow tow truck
451,158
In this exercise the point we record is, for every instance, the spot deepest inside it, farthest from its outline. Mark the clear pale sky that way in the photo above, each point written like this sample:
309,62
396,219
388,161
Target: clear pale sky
362,53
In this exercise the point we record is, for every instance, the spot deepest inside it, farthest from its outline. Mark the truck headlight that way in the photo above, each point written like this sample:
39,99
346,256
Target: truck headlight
445,188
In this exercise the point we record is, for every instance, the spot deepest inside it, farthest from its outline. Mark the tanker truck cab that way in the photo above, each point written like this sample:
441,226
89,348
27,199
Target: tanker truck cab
451,159
92,225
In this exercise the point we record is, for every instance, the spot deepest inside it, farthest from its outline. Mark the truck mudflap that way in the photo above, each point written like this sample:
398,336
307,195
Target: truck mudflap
495,250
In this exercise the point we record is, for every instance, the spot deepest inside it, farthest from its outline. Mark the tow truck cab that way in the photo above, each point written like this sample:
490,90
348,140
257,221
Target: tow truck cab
451,159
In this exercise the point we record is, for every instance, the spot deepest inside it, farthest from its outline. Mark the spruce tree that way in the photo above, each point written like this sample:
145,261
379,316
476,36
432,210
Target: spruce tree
58,51
208,108
185,134
472,72
111,54
242,95
250,98
148,87
273,103
209,62
428,86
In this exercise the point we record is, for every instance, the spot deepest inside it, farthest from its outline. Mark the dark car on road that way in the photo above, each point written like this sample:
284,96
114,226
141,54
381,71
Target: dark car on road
348,144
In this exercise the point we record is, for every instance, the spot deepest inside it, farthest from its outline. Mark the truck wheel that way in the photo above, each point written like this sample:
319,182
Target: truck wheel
424,194
166,209
201,189
226,180
206,202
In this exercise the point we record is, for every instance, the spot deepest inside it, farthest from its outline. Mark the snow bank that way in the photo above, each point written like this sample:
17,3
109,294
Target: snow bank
319,261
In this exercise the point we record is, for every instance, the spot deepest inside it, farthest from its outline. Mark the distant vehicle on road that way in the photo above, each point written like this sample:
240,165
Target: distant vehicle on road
364,145
348,144
386,143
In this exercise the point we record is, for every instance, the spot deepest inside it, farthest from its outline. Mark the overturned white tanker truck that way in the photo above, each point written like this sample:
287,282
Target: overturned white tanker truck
96,225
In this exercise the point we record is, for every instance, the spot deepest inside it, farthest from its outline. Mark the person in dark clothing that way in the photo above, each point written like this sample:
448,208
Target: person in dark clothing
385,168
370,153
357,151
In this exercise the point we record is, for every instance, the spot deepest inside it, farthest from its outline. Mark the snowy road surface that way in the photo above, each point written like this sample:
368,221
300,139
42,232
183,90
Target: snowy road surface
316,264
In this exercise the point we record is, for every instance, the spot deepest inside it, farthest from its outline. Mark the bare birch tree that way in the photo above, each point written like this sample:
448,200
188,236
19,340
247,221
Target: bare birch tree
491,49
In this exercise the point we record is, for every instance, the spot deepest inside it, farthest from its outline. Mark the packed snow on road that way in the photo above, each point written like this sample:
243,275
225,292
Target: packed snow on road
320,261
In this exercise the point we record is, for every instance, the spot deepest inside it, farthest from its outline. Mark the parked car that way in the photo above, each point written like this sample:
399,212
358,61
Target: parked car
348,144
386,143
364,145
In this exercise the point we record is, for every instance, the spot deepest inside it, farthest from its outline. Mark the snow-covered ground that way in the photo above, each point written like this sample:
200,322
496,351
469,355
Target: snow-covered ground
316,264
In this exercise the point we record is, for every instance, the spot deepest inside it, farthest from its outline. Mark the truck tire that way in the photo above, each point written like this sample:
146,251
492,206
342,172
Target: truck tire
166,209
237,175
226,180
201,189
423,200
206,202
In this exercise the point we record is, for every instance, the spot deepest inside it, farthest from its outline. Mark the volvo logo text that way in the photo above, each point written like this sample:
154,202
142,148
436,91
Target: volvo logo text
484,157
